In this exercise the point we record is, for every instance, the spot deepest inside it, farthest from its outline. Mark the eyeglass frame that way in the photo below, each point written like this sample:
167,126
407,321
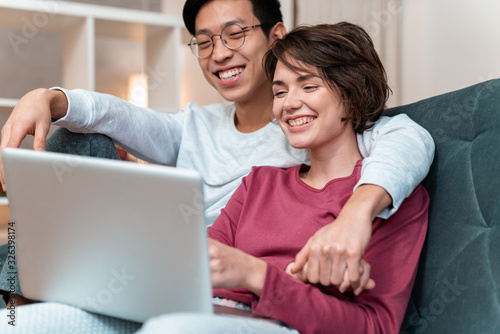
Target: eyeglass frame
222,40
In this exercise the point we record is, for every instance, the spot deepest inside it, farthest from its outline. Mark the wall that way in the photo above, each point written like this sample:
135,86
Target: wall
380,19
447,45
428,47
443,44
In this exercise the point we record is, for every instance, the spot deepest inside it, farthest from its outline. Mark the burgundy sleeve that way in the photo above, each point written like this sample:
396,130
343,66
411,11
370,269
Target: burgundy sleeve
393,253
224,227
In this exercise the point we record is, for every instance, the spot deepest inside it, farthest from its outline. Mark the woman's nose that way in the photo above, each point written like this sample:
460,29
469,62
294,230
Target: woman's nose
292,102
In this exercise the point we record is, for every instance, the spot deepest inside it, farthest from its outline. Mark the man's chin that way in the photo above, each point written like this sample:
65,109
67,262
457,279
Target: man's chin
230,95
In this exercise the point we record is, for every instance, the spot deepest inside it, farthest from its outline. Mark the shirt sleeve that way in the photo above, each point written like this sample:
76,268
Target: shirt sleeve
150,135
224,227
397,156
393,253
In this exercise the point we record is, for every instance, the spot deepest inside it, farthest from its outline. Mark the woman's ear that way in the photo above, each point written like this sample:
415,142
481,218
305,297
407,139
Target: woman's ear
278,31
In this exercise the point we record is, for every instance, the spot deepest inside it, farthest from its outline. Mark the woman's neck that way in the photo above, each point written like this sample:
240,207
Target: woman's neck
332,161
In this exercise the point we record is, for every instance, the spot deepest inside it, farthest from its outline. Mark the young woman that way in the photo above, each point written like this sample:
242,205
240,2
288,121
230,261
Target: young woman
328,85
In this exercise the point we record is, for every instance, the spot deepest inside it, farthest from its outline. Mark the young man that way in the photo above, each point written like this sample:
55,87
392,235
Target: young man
223,143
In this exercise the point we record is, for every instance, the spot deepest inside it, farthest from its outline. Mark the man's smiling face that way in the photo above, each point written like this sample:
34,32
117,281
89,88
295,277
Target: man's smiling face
238,74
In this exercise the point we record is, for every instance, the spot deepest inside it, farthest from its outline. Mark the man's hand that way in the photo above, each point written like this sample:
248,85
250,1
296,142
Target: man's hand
233,268
365,280
32,116
334,253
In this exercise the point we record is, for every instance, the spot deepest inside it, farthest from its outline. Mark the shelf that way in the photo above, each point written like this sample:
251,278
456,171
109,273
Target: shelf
81,58
8,103
67,9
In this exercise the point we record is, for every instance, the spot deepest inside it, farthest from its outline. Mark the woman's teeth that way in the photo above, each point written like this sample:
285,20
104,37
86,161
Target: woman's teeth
300,121
230,74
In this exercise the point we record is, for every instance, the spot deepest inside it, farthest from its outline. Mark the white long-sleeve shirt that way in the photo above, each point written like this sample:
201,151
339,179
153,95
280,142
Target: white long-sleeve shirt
397,151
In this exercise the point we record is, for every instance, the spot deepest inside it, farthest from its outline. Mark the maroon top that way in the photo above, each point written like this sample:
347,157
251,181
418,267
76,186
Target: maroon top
272,215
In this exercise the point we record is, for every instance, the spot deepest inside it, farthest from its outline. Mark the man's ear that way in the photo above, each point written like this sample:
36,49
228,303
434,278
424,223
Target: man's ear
278,31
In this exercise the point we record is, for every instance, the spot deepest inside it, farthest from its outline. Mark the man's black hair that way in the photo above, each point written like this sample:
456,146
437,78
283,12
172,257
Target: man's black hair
268,12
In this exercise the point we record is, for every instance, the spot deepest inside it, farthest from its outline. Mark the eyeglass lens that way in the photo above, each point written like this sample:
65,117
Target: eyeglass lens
232,36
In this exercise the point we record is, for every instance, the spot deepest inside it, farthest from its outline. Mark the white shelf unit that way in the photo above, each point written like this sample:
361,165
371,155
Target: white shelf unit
8,103
82,25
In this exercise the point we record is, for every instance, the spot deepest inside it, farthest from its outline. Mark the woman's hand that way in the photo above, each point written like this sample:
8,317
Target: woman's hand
233,268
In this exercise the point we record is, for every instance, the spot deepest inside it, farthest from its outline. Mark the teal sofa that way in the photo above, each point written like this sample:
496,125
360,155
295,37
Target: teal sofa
458,282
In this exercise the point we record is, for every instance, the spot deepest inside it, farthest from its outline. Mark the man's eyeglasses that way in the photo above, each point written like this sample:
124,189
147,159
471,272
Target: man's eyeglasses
232,36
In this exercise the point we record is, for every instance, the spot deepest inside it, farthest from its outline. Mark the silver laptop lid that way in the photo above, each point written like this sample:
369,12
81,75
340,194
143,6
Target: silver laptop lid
119,238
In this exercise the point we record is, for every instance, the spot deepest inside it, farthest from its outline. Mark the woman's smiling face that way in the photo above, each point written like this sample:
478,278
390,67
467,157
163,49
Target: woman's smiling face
309,112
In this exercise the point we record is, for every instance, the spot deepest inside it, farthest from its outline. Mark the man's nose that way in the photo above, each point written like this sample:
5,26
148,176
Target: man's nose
220,51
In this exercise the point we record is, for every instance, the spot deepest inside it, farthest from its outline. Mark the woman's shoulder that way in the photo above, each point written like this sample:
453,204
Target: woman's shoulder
271,170
271,173
414,208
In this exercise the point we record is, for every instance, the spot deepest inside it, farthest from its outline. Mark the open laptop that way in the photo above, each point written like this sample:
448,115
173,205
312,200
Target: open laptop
118,238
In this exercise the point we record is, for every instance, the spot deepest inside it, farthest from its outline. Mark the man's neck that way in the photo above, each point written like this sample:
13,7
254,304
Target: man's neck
253,115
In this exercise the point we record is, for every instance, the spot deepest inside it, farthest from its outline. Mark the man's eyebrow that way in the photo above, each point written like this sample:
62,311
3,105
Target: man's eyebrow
239,22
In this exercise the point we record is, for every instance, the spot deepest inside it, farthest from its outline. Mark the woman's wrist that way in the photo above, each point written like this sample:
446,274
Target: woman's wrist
256,276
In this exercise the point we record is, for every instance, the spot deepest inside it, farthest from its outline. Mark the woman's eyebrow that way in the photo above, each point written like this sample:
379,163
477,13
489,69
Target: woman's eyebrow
300,78
308,76
277,83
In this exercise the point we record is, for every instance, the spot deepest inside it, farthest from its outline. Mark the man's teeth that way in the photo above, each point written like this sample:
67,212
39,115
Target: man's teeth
300,121
230,74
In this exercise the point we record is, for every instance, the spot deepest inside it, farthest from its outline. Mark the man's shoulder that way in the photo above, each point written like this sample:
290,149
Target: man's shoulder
215,110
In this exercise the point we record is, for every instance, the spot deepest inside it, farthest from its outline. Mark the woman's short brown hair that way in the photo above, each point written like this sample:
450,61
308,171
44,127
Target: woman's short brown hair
345,58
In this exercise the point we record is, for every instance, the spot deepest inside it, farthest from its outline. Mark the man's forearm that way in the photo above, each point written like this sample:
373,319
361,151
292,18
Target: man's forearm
369,199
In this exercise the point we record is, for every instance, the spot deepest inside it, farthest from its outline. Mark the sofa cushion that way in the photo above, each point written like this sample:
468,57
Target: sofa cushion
457,286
